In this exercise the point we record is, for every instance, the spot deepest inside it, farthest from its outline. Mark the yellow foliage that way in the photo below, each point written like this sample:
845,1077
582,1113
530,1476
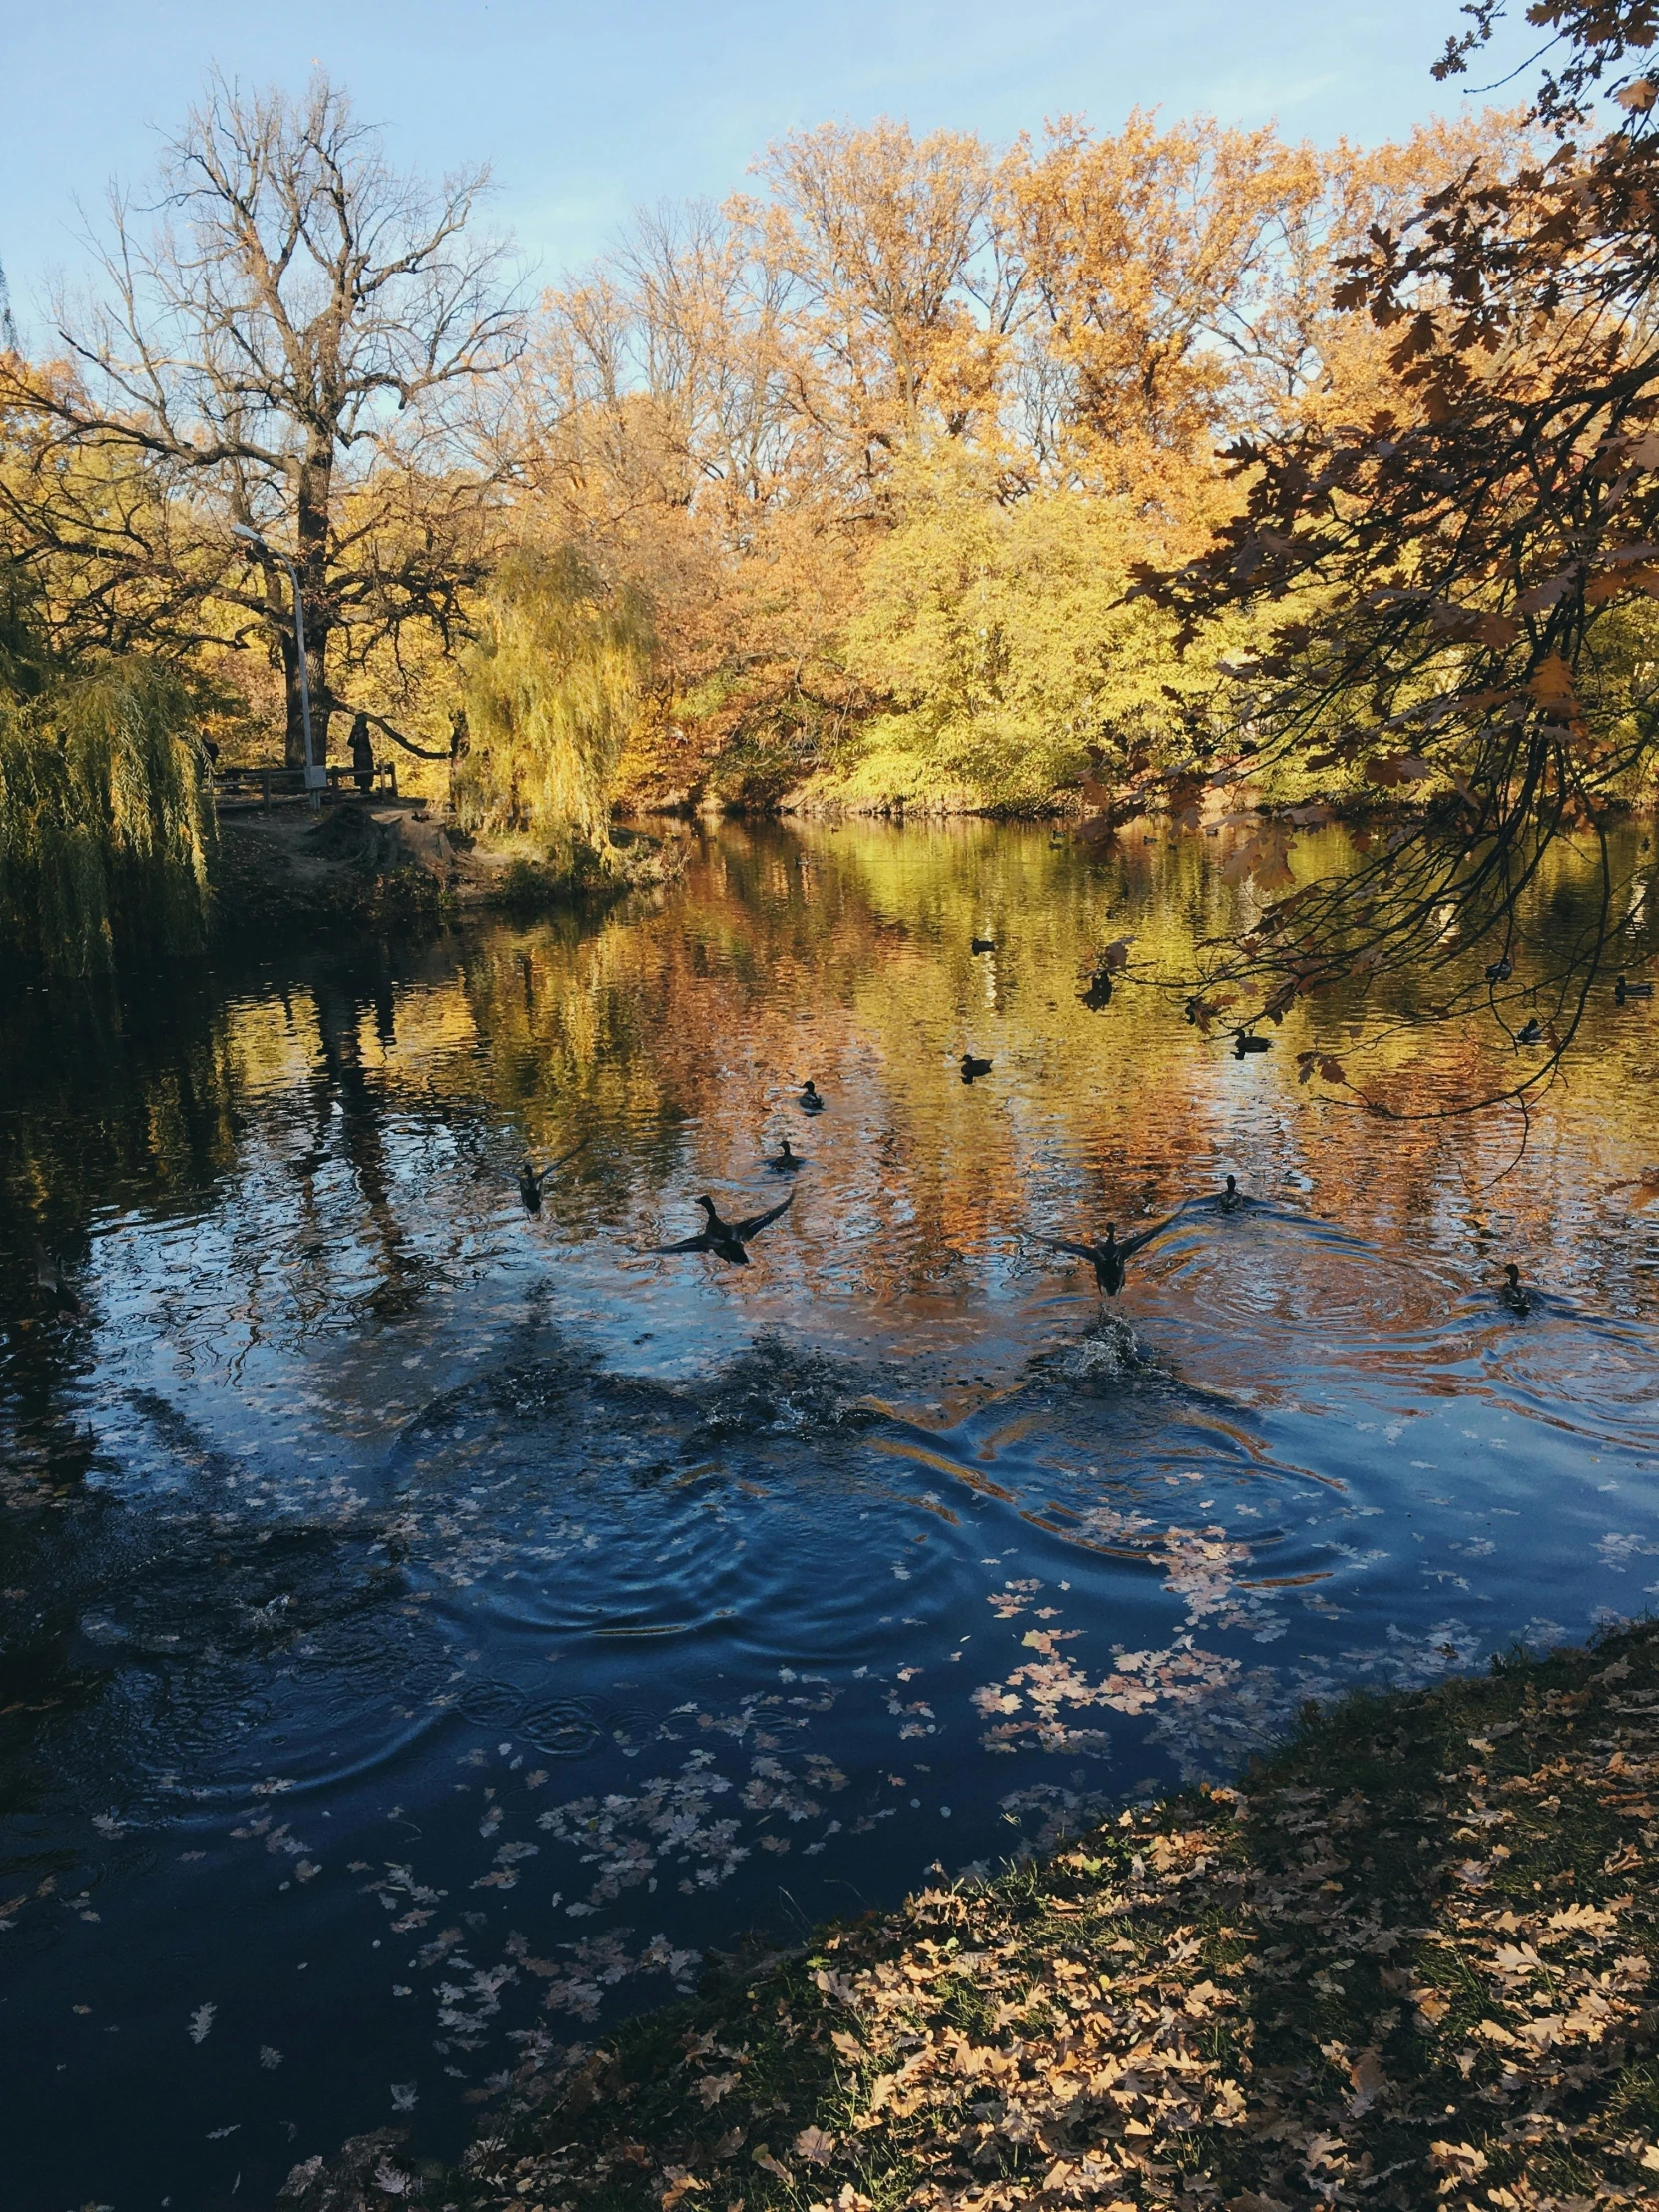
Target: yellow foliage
106,822
1009,648
553,684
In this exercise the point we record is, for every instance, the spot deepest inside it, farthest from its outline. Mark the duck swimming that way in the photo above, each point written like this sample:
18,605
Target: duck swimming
1500,971
1231,1199
810,1103
785,1162
1623,990
972,1067
1108,1256
1514,1294
983,944
531,1179
50,1276
1244,1042
726,1239
1532,1033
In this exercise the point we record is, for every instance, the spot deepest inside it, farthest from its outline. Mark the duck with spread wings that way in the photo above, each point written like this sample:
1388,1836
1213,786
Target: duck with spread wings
531,1178
727,1238
1109,1257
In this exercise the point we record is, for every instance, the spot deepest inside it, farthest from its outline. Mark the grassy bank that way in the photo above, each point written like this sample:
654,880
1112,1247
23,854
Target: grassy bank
1408,1964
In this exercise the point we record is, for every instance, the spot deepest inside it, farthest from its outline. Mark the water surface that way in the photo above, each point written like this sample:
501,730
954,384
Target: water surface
429,1628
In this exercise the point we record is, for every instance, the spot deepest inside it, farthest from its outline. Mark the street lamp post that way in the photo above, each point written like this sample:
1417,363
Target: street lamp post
317,775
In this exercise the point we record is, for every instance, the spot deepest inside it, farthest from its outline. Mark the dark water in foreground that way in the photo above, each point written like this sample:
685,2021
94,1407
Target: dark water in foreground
427,1628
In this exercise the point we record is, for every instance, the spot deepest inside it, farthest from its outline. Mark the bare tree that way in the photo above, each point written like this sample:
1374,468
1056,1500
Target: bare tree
298,339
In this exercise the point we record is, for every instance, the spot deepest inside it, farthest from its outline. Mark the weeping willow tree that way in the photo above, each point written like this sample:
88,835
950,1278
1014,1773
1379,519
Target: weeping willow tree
553,687
105,821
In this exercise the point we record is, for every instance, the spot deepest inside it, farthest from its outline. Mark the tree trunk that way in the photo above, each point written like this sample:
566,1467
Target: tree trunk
311,558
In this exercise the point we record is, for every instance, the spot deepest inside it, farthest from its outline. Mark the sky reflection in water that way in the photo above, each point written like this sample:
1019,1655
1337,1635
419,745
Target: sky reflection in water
427,1627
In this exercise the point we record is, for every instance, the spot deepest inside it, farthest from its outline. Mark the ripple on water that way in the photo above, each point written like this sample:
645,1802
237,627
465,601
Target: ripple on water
497,1705
1577,1370
562,1727
753,1516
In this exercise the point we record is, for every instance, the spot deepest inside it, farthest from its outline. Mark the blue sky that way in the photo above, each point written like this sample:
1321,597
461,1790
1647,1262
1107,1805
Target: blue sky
589,110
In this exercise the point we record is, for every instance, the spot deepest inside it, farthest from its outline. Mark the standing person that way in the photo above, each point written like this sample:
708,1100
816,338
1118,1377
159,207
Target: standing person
363,754
458,747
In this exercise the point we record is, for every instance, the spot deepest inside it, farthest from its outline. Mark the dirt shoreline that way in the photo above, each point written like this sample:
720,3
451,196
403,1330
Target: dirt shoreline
292,873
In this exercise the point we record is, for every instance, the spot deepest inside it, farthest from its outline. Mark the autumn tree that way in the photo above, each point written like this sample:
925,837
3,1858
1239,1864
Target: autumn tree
900,286
1137,246
302,342
1460,581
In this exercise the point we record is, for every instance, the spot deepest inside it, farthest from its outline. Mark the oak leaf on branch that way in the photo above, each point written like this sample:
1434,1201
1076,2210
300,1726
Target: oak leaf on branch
1548,594
1552,687
1393,768
1643,577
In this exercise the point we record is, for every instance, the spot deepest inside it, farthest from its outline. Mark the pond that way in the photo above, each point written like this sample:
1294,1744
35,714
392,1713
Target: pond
430,1626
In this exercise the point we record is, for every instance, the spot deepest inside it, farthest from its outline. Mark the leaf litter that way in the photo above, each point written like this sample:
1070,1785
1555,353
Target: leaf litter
1409,1961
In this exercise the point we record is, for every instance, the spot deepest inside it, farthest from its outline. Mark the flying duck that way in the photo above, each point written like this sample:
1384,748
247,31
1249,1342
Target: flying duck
1108,1258
531,1179
726,1239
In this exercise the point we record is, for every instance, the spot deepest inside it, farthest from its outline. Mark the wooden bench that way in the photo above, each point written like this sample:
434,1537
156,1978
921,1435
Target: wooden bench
266,784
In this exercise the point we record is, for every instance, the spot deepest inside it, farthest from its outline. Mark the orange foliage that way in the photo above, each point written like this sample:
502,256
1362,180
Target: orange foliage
718,411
